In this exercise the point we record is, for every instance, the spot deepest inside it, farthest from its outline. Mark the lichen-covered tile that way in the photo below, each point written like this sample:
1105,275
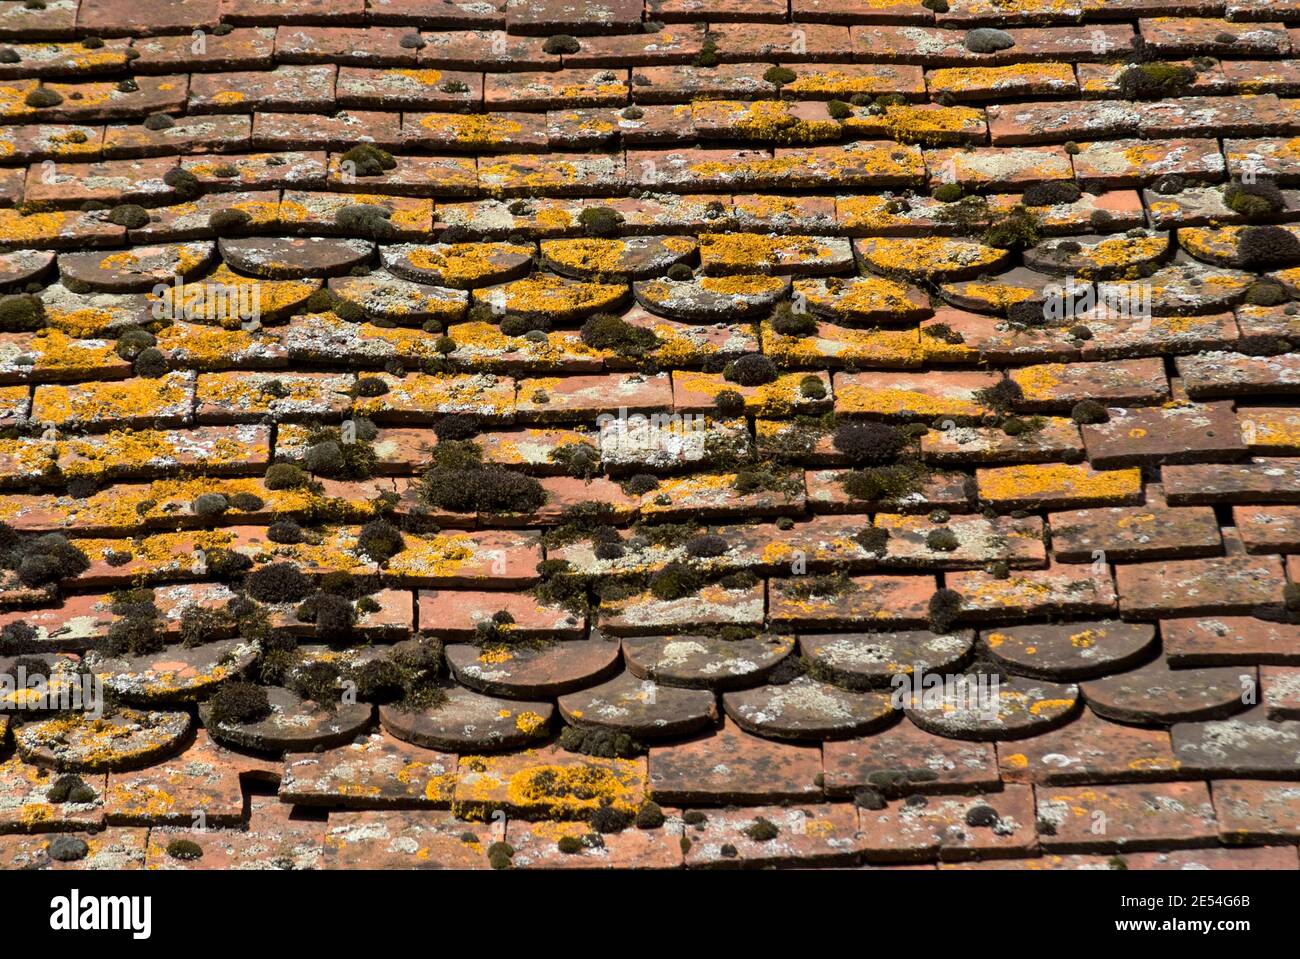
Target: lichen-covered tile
1122,818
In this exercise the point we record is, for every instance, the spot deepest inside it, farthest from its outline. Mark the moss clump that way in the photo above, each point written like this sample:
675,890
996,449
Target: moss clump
708,55
277,583
365,220
881,483
779,76
186,850
649,816
1050,193
676,581
368,160
43,97
67,849
603,331
380,540
870,798
609,819
185,183
458,480
873,539
1259,199
1266,293
941,540
238,703
839,110
788,321
378,681
1014,229
62,789
285,476
202,624
40,560
729,403
1262,247
945,607
868,442
328,455
228,221
640,484
579,460
21,313
680,272
569,845
1155,80
209,505
130,215
138,632
151,364
981,817
752,369
706,545
158,121
132,342
988,40
761,830
500,854
948,192
457,426
600,220
1002,396
561,44
1088,412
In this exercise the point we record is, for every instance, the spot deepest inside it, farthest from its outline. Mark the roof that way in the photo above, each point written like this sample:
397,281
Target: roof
541,433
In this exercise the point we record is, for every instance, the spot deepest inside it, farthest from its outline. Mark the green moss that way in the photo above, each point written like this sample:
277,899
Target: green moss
788,321
500,855
130,215
1051,193
729,403
779,76
366,220
948,192
185,183
600,220
238,703
277,583
186,850
945,607
603,331
21,313
708,55
1087,412
761,830
1014,229
281,476
882,483
228,221
579,460
459,481
43,97
941,540
1262,198
561,44
676,581
839,110
368,160
752,369
1155,80
1266,293
1263,247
